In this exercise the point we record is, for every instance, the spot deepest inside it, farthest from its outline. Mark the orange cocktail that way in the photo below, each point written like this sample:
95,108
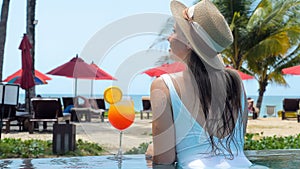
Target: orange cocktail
121,114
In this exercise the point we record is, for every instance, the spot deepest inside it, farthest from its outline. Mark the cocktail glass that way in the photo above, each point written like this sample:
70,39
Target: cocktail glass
121,115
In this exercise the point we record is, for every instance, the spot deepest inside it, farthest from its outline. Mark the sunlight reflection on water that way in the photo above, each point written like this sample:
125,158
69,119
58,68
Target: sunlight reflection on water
275,159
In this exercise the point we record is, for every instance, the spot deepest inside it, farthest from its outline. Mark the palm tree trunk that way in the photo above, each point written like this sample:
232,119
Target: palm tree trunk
262,89
3,27
30,31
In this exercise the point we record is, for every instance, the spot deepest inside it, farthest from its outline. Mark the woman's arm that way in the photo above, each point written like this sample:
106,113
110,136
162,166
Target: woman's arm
162,125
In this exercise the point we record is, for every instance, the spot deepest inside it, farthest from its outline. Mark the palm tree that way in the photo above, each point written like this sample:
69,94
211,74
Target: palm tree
272,41
266,38
30,31
237,13
3,27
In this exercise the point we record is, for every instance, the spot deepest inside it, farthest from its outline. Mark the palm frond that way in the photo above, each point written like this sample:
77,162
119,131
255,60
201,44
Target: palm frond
283,11
165,32
293,33
292,59
278,78
260,12
274,45
228,8
270,16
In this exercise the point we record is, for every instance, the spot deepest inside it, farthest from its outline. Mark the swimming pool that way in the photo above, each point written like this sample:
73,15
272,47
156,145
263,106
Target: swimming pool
275,159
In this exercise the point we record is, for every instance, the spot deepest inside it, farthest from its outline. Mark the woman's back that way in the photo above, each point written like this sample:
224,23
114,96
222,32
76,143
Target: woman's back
193,146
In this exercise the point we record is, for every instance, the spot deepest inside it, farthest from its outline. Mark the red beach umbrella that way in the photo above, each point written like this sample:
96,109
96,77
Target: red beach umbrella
76,68
102,75
243,75
165,69
294,70
27,80
39,78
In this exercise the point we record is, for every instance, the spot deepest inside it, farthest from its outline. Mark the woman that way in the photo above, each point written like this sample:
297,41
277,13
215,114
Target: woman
199,115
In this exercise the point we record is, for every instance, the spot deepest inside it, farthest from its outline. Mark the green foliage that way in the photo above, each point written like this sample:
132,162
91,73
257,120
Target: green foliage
138,150
85,148
17,148
12,148
259,142
252,142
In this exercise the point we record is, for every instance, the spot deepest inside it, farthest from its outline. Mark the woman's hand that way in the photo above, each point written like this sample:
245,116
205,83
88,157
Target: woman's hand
149,152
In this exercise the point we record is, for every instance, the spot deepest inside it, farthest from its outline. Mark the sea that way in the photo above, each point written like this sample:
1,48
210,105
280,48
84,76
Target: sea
267,101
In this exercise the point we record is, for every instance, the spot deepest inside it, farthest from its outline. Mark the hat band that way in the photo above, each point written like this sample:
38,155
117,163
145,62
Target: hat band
207,39
202,33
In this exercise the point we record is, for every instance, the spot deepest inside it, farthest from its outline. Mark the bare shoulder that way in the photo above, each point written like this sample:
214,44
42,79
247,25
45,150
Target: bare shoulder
159,91
158,83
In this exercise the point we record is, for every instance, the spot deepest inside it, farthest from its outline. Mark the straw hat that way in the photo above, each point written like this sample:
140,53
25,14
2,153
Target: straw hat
206,30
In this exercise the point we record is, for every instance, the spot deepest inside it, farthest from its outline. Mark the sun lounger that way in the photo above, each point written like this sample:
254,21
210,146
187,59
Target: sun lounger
67,101
82,108
80,112
98,107
146,107
77,112
9,115
290,108
47,110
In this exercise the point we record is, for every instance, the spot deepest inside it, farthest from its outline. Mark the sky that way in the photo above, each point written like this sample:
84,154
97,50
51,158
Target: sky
115,35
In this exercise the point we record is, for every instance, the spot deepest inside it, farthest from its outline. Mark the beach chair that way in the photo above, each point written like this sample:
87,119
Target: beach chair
98,107
146,107
82,108
8,116
290,108
67,101
47,110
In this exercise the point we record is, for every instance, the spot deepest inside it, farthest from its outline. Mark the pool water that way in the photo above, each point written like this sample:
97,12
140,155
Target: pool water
274,159
90,162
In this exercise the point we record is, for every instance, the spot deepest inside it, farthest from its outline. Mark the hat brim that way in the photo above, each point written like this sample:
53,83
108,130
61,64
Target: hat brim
177,9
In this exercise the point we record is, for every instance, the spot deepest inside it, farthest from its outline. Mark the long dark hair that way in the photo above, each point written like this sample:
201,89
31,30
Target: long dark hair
224,128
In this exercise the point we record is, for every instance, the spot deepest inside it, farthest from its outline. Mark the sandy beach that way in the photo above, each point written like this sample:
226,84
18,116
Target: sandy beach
140,132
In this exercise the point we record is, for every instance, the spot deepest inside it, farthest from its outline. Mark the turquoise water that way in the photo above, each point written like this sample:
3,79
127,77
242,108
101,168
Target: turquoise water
274,159
267,100
272,101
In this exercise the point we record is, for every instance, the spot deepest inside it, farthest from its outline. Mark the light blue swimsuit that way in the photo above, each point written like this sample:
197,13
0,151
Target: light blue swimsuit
192,142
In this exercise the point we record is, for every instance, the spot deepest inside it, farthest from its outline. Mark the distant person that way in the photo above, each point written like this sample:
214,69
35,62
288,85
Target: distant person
252,109
39,96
